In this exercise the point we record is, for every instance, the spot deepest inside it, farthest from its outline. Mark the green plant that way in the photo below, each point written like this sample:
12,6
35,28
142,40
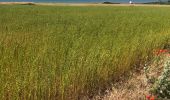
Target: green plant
162,85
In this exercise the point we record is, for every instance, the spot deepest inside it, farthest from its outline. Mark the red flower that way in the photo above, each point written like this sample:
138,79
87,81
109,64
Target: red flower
163,51
148,97
157,52
168,55
152,98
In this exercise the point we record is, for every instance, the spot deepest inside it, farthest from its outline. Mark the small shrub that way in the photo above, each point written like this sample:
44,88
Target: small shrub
162,85
158,75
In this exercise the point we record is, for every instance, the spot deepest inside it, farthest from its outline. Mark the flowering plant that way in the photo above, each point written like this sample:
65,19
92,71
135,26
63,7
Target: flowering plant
162,85
160,52
150,97
160,75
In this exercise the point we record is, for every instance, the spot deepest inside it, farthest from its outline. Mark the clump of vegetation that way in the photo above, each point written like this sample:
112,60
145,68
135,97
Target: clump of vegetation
162,86
69,53
158,74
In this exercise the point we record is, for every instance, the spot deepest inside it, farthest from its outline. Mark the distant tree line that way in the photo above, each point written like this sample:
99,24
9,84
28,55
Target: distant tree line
163,1
166,2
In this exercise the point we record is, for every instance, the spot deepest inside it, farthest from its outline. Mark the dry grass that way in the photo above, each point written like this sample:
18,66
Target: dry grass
133,88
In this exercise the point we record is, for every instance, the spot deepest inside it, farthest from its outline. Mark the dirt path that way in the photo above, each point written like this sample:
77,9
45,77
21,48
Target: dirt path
137,87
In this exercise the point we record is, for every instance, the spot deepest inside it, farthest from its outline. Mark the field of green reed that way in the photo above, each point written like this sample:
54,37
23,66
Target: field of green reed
64,53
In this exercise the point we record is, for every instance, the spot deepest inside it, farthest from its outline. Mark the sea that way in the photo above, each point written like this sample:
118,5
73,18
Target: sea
80,1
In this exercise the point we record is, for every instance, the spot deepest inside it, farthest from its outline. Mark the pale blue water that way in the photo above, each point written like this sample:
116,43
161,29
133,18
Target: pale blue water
78,1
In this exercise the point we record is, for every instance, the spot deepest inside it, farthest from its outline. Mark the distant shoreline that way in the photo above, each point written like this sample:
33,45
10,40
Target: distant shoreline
11,3
81,4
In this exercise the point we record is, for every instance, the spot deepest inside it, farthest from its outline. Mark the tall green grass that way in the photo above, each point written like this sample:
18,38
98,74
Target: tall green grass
64,53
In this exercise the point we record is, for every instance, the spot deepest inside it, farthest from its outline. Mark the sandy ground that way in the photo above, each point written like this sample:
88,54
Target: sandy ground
135,88
81,4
